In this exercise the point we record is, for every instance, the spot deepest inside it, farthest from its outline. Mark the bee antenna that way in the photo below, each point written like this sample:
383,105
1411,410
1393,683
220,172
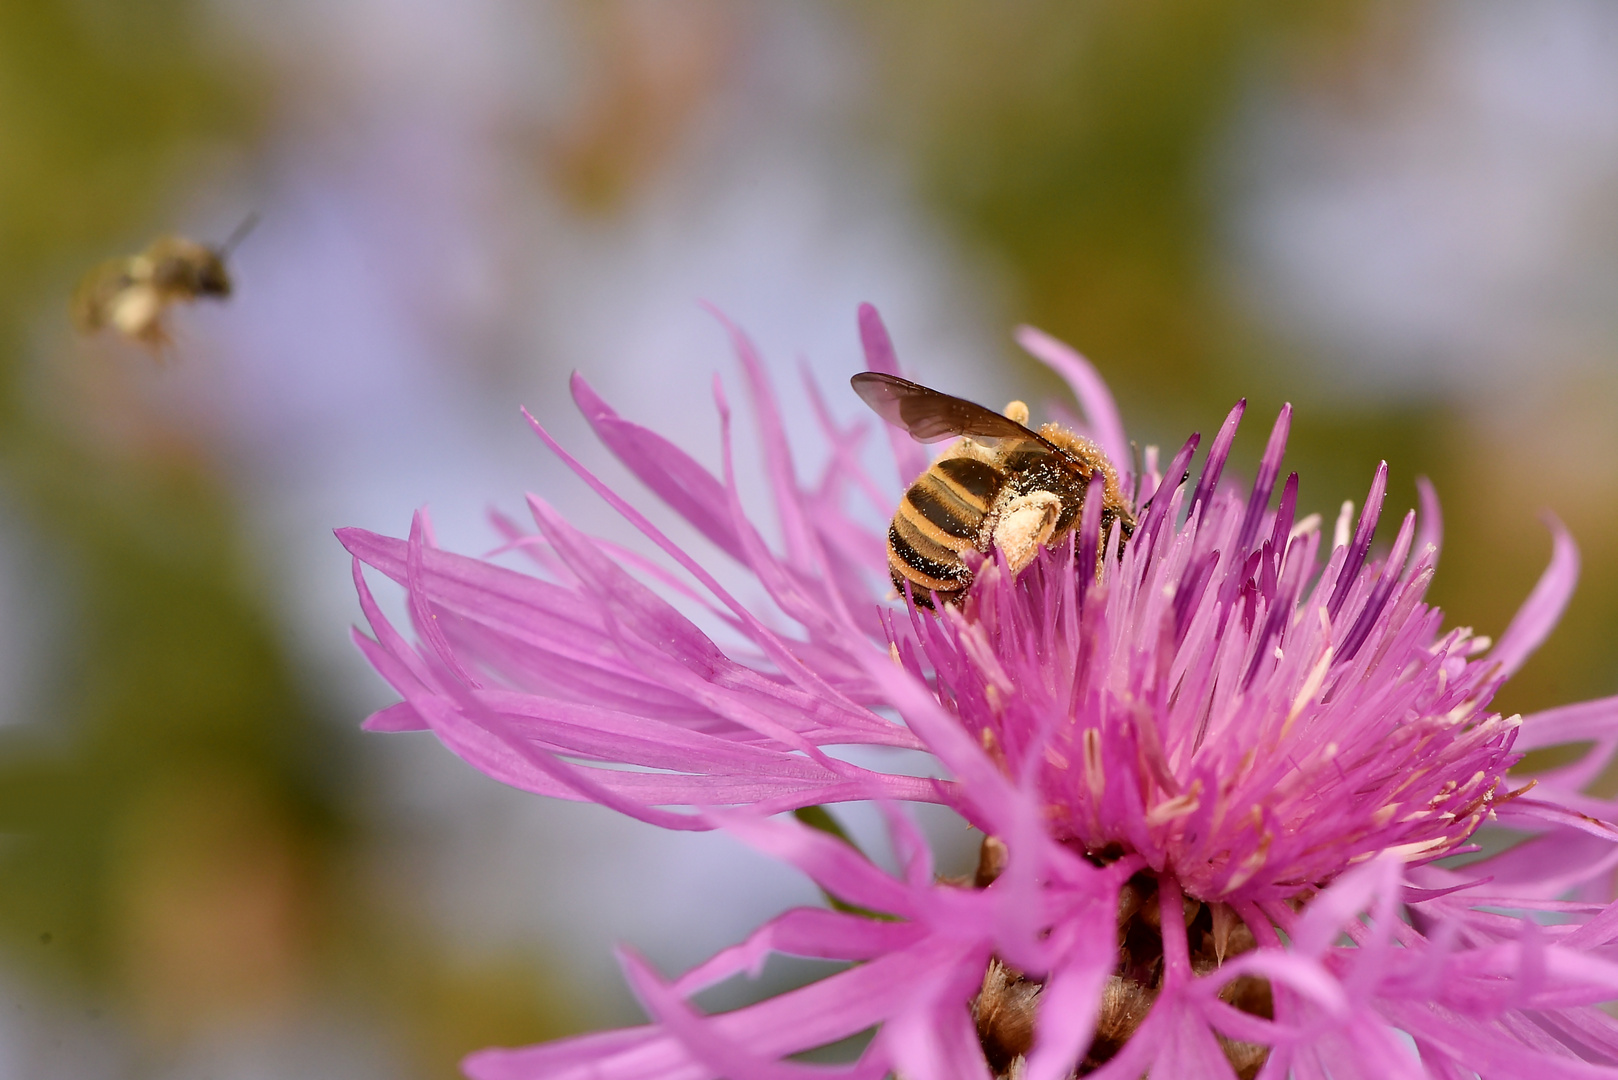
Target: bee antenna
238,234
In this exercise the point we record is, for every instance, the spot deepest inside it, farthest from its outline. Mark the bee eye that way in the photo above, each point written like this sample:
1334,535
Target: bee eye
215,281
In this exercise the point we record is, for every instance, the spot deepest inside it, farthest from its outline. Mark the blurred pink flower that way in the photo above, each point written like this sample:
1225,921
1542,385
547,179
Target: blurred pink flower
1222,773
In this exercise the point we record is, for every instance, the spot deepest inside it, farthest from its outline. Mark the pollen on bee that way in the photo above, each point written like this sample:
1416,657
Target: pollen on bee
1026,522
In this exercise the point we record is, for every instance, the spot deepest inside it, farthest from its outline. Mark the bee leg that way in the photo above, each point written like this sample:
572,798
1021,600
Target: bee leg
136,311
1024,523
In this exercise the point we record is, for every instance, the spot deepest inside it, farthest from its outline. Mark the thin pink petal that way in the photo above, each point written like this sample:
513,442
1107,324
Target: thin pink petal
1431,533
1106,425
399,717
833,865
701,1038
1068,1008
879,356
670,472
1571,723
811,932
1539,613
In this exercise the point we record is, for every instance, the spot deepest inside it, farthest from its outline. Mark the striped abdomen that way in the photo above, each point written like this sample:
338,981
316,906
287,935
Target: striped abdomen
941,517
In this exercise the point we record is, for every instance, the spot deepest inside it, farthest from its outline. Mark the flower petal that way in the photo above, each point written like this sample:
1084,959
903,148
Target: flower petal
1571,723
1539,613
672,474
879,356
1106,425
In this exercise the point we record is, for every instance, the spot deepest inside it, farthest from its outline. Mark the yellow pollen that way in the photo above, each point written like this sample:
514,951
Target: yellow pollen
1094,777
1177,807
1407,852
997,700
1311,686
1345,516
1250,865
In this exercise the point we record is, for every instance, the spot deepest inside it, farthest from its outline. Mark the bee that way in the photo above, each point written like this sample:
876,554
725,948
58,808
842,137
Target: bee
132,295
1002,485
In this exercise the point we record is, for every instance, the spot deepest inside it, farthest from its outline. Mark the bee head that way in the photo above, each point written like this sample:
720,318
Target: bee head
211,276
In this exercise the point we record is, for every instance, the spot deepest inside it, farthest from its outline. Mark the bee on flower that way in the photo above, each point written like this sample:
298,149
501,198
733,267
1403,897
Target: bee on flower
1216,750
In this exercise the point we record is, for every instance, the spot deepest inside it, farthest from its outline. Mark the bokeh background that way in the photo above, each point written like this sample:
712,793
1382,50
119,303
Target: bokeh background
1401,217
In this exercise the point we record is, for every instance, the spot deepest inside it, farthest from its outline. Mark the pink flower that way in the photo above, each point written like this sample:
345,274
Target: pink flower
1218,773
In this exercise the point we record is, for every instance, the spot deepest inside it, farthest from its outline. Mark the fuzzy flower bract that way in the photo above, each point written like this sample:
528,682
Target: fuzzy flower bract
1218,772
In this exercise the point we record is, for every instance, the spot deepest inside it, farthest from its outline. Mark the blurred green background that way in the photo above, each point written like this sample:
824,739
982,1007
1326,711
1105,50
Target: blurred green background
196,860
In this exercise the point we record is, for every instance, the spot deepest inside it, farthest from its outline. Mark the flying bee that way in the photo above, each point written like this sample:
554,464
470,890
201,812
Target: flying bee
132,295
1002,485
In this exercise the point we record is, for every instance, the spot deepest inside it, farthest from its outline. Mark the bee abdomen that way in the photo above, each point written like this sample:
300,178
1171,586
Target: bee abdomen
972,481
928,568
921,553
940,518
955,514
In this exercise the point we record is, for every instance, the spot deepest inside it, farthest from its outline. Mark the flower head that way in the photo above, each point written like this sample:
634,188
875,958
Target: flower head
1217,761
1223,701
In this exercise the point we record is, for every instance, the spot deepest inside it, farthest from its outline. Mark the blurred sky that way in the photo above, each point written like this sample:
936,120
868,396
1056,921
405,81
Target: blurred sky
1400,217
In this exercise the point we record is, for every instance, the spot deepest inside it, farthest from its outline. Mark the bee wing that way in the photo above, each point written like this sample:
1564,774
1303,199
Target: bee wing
930,416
